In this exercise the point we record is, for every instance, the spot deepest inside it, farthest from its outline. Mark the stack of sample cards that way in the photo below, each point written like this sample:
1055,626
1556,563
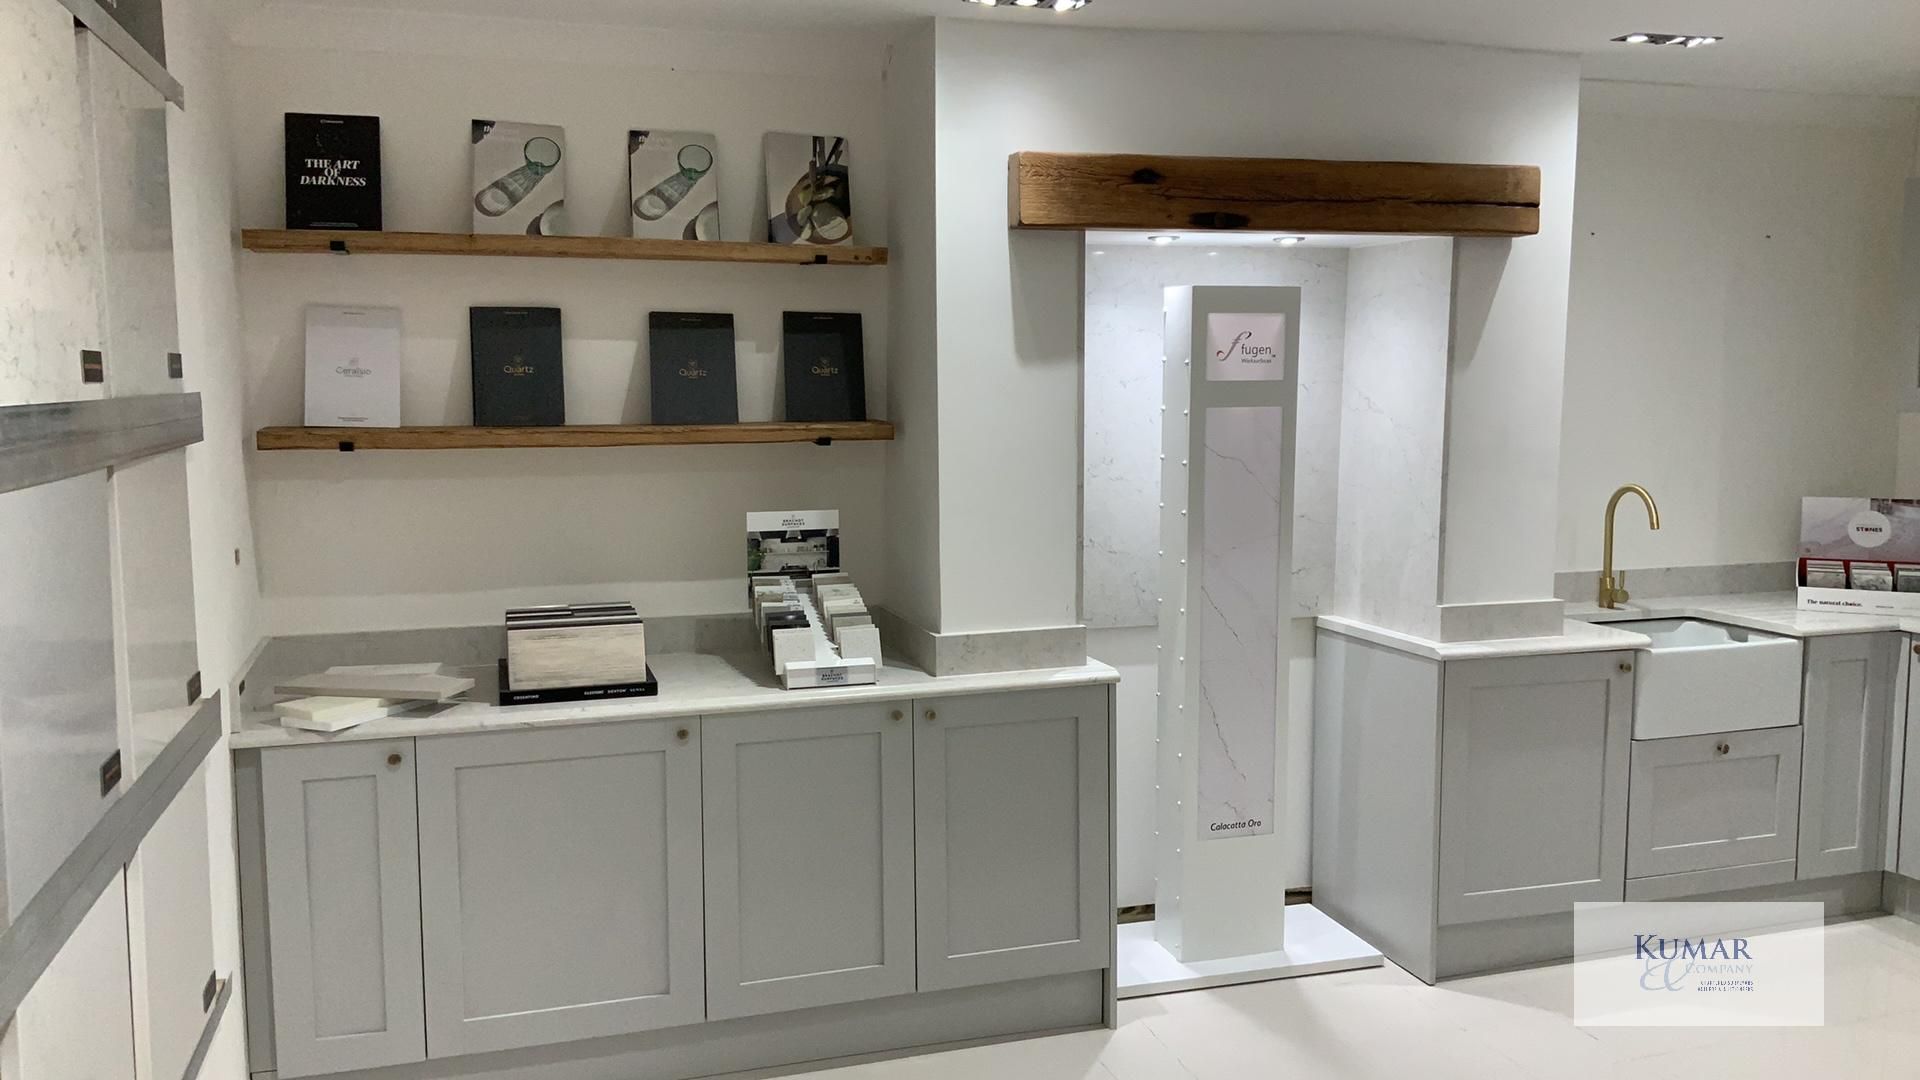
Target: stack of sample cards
816,629
349,695
575,652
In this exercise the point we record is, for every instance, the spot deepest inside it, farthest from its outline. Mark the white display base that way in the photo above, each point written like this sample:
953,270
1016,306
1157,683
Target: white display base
1316,945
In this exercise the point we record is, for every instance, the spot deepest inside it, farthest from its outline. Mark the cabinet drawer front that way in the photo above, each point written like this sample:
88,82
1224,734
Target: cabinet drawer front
1533,770
1011,821
343,889
560,876
809,858
1708,801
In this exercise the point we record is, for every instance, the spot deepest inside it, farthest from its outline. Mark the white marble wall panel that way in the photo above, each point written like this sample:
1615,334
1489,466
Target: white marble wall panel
1121,433
1239,618
49,218
1393,435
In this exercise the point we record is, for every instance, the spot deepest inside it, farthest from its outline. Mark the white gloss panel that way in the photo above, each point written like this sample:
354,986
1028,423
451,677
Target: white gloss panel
1121,397
57,720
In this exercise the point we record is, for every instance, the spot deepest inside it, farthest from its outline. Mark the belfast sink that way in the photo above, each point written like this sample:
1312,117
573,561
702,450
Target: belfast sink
1700,677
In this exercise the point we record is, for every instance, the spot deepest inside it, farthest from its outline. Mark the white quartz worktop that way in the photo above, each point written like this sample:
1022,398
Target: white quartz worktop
691,684
1575,637
1770,613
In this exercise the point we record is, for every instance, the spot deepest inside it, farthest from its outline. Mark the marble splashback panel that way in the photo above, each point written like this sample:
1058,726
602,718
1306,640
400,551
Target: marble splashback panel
1120,494
1584,585
1393,435
1239,620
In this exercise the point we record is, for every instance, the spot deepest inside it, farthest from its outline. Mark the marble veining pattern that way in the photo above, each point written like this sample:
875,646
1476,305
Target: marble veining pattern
1392,435
49,220
1123,348
1238,644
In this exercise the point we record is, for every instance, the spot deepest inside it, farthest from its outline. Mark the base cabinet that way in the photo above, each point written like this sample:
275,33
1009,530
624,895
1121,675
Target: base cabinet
444,896
1703,802
1011,836
1847,713
560,873
343,885
1533,784
809,858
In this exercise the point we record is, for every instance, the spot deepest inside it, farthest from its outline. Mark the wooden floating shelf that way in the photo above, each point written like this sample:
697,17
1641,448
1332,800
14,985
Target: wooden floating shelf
350,242
510,438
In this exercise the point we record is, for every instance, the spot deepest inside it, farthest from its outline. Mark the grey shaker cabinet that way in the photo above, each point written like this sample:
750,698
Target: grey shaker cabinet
1533,784
1907,774
1847,713
809,857
343,886
1702,802
560,871
1010,819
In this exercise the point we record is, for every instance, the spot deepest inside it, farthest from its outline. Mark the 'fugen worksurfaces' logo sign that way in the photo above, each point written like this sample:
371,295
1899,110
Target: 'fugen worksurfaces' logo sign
1246,347
1699,964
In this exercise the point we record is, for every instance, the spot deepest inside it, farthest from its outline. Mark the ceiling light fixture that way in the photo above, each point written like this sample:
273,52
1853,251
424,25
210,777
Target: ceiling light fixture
1690,41
1055,5
1288,241
1162,239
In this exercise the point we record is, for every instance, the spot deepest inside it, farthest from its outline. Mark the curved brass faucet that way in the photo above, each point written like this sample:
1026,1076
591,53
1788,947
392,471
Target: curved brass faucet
1614,593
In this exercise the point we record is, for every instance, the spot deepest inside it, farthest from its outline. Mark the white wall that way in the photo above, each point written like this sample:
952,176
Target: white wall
462,535
1009,335
1730,338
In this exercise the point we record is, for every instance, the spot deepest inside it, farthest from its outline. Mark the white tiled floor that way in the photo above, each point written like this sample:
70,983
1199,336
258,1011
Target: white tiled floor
1515,1026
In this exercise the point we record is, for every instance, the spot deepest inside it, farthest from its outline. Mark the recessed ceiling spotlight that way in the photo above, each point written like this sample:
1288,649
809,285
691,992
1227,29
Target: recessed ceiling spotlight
1098,251
1162,239
1690,41
1056,5
1288,241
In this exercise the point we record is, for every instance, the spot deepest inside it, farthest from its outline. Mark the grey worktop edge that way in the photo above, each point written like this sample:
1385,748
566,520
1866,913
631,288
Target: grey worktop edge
40,444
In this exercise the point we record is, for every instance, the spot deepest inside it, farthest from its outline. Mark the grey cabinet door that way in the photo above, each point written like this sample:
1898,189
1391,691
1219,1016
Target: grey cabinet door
560,877
1011,819
1533,784
809,857
1708,801
1847,710
343,901
1907,859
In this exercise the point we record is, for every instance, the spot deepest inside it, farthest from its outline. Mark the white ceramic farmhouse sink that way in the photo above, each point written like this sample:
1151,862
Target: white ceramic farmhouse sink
1701,677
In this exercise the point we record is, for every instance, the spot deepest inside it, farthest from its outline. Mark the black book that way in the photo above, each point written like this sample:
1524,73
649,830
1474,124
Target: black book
333,171
690,360
516,367
825,367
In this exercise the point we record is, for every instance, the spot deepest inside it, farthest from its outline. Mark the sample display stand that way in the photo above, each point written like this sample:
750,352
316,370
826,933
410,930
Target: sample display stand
1226,532
805,654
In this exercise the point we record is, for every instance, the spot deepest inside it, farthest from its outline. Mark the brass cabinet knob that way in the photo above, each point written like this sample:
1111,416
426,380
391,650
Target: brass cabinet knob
1625,666
681,734
930,716
898,716
393,759
1722,748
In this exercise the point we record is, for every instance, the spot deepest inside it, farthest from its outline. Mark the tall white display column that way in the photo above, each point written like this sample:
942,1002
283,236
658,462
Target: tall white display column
1226,557
1226,538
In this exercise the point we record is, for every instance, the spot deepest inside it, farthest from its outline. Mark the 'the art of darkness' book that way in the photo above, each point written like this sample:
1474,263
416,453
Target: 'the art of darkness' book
825,366
333,171
690,359
516,367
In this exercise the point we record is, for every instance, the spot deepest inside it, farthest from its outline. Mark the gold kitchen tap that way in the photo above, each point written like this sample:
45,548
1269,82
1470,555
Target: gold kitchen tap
1613,592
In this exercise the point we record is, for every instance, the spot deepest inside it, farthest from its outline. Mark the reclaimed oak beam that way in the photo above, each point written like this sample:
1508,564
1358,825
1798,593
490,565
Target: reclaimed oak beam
1165,193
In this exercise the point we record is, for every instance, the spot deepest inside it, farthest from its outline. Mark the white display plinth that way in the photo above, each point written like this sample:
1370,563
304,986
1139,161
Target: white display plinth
1226,528
1315,945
